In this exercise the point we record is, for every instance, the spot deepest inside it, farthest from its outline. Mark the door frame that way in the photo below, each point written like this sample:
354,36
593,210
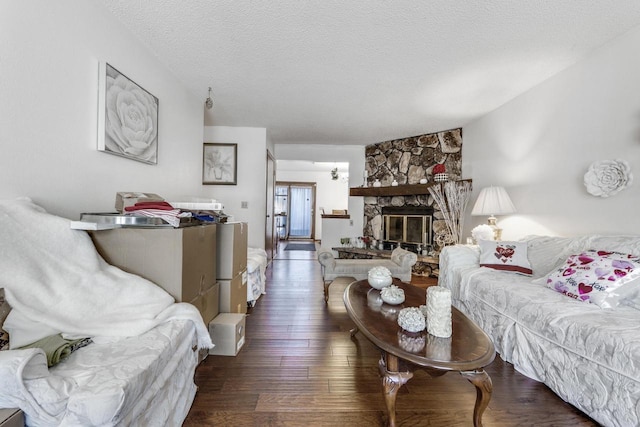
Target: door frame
270,238
313,187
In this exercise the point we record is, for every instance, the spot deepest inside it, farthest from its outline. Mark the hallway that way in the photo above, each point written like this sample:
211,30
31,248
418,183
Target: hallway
299,367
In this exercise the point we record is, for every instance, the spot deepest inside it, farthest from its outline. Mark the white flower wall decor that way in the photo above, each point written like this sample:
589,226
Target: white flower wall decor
606,178
127,117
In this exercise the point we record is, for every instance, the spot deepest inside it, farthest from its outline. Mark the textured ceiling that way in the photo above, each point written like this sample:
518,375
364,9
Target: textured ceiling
365,71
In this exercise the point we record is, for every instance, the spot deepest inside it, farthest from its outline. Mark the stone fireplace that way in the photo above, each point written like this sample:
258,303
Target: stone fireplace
407,161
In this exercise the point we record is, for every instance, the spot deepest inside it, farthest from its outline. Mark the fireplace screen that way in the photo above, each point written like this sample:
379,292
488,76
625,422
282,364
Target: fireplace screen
414,229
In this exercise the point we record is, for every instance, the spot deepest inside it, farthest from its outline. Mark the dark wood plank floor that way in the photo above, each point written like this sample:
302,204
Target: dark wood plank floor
299,367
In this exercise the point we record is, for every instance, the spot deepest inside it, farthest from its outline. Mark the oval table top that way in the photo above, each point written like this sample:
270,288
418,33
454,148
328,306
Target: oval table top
468,348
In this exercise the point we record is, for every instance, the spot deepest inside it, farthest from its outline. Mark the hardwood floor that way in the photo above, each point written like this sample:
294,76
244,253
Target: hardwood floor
299,367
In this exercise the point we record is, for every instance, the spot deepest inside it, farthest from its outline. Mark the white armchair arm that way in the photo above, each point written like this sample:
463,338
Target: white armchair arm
403,258
400,266
454,260
326,259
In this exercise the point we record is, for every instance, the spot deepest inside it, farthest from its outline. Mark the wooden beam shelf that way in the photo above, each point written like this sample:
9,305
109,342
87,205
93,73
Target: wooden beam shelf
399,190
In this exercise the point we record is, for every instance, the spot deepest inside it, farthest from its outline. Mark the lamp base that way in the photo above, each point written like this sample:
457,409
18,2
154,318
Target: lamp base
497,231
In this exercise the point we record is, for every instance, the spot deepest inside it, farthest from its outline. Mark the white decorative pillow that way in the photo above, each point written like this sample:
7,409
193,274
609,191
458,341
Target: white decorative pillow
600,277
547,253
505,256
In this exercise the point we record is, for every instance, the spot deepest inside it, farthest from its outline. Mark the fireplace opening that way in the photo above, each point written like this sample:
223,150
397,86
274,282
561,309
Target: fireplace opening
409,227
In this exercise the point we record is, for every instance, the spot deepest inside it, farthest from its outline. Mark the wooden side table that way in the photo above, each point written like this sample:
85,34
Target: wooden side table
11,418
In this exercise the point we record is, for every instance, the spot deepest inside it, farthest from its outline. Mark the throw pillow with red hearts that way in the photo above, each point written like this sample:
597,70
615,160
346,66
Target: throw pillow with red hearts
505,256
505,253
594,276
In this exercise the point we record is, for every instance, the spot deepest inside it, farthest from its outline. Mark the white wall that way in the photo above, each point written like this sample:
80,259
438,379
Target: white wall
540,145
252,173
354,155
48,103
330,194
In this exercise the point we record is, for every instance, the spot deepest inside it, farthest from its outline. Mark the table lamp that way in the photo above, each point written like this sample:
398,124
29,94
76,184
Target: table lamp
493,201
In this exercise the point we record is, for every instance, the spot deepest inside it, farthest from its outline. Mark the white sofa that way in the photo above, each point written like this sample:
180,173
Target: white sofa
140,366
399,264
589,356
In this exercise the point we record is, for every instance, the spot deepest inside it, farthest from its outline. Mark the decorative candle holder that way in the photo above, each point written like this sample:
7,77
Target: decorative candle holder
439,311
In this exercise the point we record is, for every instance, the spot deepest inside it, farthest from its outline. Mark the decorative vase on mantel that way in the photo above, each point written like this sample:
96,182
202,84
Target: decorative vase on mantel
441,177
440,173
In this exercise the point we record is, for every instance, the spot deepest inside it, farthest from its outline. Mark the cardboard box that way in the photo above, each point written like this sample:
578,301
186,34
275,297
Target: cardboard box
208,304
11,418
130,198
227,332
231,257
233,294
180,260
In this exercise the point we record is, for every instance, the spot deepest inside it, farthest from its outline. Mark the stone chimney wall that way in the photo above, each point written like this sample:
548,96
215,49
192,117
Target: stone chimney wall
408,160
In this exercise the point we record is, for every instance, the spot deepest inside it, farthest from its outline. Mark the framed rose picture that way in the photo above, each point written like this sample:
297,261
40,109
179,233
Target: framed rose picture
219,163
127,117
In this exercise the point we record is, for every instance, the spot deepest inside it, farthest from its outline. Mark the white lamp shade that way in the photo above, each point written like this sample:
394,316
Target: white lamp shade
493,201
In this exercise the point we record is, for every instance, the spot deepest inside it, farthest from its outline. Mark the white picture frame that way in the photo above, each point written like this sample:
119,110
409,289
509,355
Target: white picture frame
219,164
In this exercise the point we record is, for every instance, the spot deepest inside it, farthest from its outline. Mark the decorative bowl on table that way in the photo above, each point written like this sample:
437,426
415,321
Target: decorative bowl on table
392,295
379,277
411,319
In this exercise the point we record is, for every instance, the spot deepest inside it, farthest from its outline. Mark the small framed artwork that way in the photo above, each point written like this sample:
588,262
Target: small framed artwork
127,117
219,163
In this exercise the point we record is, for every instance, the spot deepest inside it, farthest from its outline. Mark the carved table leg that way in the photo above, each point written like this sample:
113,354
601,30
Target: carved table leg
392,380
484,387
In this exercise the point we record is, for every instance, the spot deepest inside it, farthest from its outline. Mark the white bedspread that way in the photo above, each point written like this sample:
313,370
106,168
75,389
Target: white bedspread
145,380
54,274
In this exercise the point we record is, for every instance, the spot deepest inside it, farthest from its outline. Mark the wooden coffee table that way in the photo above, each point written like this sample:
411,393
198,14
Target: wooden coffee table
467,351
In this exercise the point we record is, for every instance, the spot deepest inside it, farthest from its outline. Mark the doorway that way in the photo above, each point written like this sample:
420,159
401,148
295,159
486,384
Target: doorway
270,238
295,207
